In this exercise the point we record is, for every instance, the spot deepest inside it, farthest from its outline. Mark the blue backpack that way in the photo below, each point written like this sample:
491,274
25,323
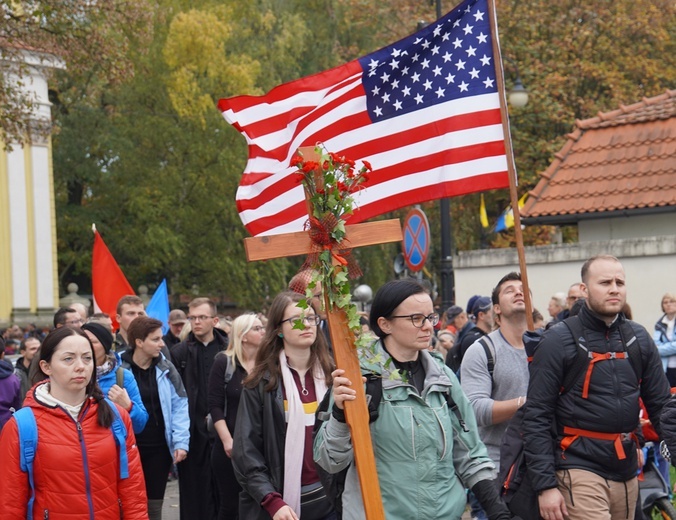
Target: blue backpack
28,445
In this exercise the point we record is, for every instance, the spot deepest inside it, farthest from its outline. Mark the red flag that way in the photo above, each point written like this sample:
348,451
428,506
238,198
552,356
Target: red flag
425,112
108,281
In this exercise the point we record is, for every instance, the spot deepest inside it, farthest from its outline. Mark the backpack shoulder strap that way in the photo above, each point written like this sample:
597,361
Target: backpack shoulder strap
119,377
582,352
633,347
490,357
230,367
28,445
374,394
453,407
119,431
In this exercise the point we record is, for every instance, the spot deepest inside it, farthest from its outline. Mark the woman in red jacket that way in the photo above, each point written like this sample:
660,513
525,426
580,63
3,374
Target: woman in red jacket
76,467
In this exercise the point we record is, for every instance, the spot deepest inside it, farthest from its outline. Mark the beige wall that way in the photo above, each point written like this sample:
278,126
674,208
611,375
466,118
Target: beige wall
650,266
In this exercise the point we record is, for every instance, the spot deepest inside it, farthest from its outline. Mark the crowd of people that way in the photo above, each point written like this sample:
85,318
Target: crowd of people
229,404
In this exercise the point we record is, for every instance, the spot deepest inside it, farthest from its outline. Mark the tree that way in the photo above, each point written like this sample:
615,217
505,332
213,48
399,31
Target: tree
92,38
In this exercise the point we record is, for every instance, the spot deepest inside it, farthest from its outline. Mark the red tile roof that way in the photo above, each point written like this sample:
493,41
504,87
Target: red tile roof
619,161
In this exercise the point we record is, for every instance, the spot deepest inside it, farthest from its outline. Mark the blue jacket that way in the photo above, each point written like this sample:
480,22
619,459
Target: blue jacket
138,413
173,400
665,346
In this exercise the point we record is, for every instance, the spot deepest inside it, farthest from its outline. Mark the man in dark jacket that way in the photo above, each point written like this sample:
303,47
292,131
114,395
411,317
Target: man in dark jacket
177,320
193,359
590,470
29,347
482,321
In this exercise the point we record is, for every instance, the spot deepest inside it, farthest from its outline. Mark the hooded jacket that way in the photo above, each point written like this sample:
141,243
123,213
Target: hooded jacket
10,392
612,405
138,413
665,346
173,401
76,468
423,457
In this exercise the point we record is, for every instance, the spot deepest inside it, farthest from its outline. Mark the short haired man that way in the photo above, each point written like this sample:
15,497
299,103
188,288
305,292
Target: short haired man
193,359
103,319
495,399
590,472
10,389
479,324
67,317
81,310
128,308
29,347
177,320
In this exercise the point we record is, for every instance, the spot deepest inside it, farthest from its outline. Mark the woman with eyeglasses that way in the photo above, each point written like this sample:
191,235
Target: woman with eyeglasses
272,451
225,387
425,438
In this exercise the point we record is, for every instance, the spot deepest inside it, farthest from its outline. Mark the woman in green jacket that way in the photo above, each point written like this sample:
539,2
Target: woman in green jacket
424,457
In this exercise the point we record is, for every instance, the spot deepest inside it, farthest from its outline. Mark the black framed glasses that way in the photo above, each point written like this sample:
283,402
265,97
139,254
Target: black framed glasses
418,320
311,320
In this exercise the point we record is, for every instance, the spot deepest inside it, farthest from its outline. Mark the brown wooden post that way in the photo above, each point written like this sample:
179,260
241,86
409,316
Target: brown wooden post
342,338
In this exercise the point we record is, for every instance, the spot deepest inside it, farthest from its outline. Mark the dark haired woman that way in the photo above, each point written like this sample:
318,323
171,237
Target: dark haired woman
272,451
424,456
76,466
166,436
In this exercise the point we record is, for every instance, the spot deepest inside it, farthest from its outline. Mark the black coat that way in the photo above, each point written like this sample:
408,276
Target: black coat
258,448
612,405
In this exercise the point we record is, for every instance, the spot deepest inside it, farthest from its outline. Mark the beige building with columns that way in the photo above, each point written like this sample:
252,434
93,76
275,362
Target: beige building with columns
28,259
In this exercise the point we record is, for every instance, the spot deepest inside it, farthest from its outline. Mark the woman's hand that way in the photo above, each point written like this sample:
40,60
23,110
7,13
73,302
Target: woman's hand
179,455
285,513
119,396
227,446
341,389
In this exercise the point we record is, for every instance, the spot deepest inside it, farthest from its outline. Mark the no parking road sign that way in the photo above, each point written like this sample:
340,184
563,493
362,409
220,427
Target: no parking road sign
416,239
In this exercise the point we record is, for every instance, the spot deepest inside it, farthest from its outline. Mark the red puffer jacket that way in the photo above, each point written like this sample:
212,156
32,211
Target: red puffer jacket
76,468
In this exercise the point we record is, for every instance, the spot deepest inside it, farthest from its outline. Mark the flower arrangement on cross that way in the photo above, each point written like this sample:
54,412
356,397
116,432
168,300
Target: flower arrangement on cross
330,185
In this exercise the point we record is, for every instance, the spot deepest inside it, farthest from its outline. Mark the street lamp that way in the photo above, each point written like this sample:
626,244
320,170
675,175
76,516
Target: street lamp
518,95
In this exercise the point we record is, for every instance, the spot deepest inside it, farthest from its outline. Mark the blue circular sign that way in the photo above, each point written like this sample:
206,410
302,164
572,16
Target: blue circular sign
416,239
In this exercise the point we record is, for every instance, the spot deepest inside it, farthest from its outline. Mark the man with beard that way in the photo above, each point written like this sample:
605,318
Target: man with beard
589,469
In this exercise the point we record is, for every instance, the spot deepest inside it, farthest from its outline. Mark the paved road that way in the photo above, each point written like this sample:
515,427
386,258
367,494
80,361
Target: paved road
170,507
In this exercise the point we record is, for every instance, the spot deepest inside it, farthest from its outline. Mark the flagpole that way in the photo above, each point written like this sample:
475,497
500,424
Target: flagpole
446,264
511,167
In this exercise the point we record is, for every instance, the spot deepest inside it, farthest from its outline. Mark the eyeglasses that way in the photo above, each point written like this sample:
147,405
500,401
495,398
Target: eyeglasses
311,320
199,318
418,320
258,328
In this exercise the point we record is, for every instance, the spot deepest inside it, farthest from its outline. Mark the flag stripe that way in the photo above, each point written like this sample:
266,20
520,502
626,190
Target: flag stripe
425,112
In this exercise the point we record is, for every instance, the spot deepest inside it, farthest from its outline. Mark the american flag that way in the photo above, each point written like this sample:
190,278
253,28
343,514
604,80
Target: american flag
425,112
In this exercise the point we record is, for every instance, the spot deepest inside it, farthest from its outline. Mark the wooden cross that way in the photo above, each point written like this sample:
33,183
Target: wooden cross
342,337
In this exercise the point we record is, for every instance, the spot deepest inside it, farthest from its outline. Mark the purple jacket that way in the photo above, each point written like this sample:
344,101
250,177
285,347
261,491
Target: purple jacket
10,392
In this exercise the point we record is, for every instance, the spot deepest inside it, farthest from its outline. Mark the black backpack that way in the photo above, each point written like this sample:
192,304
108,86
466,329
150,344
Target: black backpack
334,483
514,482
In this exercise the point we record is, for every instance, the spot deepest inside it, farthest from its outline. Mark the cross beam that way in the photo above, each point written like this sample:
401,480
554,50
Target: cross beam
342,338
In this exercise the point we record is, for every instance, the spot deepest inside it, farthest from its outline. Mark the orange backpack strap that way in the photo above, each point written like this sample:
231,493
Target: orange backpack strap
572,434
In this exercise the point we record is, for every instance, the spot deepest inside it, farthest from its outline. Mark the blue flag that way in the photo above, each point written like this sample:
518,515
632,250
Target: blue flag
158,307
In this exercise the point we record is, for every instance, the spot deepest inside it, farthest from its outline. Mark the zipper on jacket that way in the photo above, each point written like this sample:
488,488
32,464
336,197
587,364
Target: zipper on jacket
45,514
119,503
88,486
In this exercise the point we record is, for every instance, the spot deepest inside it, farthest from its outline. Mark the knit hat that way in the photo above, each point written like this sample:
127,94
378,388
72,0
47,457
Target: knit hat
101,333
453,312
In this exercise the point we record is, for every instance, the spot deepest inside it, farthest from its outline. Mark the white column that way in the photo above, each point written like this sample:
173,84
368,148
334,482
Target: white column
42,219
18,228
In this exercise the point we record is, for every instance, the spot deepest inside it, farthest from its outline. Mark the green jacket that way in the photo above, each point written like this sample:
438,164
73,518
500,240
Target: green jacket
424,458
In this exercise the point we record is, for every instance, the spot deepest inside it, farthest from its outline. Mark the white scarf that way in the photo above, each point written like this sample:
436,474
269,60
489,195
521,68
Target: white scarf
295,430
